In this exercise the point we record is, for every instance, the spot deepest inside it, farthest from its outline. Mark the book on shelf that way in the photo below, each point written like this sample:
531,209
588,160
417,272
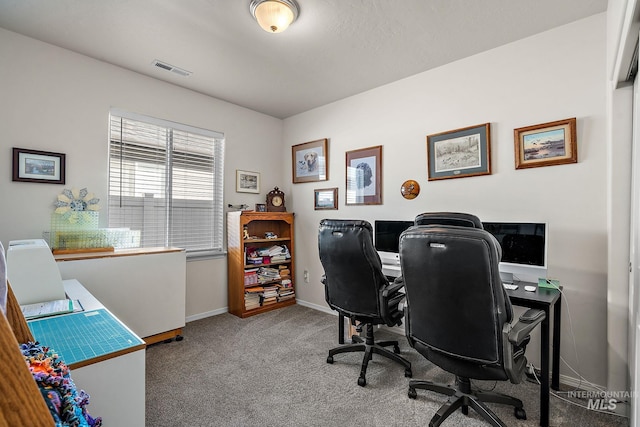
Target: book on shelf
286,297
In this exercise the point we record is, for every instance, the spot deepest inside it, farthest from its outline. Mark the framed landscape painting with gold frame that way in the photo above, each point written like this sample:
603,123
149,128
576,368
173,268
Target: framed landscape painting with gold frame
546,144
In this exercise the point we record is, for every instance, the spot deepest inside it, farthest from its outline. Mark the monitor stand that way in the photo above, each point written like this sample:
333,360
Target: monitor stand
506,277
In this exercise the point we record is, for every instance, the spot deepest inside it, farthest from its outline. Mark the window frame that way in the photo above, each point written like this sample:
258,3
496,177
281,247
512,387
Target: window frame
217,241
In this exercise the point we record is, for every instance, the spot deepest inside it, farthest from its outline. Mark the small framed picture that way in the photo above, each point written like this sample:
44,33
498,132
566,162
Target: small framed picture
310,161
247,182
325,199
364,176
38,166
261,207
546,144
459,153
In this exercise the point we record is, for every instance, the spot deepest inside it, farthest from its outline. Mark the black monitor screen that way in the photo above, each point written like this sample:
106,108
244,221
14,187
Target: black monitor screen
521,242
387,234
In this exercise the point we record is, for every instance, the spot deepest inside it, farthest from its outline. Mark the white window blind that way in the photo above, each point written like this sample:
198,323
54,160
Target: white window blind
166,180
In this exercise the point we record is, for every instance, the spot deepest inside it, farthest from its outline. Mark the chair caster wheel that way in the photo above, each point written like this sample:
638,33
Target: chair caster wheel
362,381
408,373
168,340
412,393
330,359
520,413
396,349
179,337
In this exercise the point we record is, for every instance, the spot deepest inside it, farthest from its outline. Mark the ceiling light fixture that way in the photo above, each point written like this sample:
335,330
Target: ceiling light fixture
274,16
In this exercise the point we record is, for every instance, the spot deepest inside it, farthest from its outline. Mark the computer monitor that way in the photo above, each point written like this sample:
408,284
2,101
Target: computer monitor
386,237
524,249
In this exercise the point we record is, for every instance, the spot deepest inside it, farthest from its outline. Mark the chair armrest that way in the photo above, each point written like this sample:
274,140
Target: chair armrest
389,300
394,287
526,323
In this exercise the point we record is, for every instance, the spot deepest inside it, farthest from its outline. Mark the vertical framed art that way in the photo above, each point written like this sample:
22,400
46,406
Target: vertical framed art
310,161
364,176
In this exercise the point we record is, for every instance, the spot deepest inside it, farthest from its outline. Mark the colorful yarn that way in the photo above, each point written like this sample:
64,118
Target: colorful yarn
66,404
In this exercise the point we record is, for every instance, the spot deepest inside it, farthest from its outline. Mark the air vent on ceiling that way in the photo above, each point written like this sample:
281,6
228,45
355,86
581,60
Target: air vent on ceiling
171,68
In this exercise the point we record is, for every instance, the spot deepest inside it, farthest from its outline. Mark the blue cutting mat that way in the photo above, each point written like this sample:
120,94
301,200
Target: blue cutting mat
81,336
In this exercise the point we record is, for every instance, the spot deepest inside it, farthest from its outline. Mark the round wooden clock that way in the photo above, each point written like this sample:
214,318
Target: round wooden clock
410,189
275,201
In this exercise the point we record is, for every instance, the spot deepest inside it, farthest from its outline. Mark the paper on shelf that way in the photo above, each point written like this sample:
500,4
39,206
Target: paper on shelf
47,308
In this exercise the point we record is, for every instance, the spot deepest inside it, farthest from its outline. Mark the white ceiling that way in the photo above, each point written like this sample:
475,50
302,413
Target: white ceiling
336,48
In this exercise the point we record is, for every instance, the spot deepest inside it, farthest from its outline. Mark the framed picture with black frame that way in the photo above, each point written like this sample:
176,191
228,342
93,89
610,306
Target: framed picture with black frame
38,166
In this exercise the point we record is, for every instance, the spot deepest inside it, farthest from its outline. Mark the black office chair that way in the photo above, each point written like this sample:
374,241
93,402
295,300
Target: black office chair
448,218
356,288
458,316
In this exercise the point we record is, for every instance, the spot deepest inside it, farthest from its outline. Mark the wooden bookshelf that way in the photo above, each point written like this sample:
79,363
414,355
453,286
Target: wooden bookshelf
239,249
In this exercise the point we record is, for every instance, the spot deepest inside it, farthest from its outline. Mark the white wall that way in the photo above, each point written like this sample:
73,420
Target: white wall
551,76
56,100
621,309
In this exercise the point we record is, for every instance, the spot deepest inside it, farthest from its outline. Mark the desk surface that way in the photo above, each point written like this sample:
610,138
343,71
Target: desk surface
116,253
85,337
546,296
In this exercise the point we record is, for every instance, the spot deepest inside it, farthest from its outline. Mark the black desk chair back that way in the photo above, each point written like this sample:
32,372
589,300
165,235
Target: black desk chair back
448,218
356,287
458,316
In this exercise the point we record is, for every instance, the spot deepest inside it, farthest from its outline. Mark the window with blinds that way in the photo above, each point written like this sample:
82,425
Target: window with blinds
166,180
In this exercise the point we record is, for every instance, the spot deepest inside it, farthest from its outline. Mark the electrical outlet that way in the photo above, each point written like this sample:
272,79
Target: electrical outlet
306,276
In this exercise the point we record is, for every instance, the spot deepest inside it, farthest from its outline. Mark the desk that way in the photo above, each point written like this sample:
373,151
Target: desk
106,359
144,287
542,299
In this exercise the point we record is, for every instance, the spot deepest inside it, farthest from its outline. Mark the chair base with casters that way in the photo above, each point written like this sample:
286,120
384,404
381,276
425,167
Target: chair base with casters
464,396
369,347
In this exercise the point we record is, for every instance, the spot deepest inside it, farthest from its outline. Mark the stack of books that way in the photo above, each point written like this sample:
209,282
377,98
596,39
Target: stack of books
252,298
285,274
275,253
285,290
268,275
269,295
285,293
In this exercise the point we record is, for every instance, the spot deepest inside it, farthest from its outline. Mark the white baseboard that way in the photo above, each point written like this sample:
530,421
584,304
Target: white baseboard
222,310
322,308
206,314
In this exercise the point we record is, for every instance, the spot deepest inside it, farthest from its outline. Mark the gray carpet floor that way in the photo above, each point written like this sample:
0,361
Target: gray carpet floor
271,370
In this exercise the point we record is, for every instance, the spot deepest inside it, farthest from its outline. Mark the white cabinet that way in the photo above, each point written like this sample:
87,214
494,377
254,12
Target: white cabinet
145,288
